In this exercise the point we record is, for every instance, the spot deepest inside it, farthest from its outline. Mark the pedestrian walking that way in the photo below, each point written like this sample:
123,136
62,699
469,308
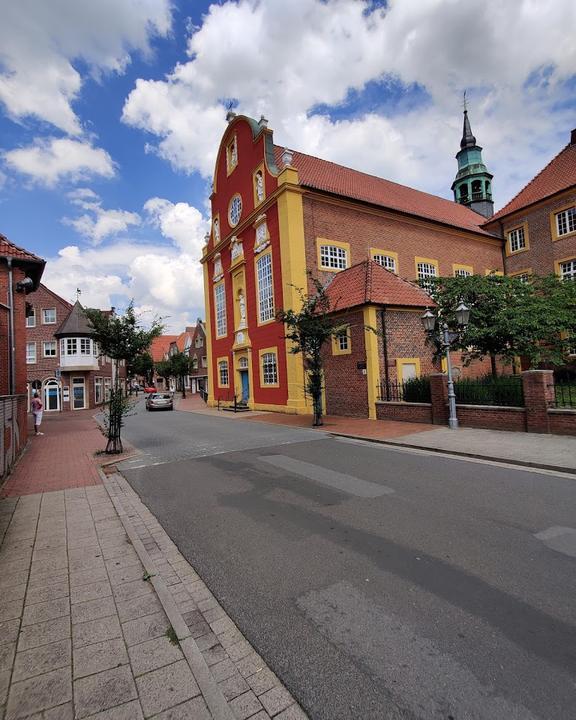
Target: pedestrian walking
37,407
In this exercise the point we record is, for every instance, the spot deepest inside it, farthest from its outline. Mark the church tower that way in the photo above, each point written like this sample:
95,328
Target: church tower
473,183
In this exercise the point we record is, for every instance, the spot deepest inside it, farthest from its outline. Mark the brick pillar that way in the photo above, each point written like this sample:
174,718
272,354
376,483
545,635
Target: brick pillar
439,398
538,397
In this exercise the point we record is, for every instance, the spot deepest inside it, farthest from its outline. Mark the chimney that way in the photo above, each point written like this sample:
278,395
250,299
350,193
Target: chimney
573,137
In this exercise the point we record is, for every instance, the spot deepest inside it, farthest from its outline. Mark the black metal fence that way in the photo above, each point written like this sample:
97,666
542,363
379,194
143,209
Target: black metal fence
565,394
505,391
415,390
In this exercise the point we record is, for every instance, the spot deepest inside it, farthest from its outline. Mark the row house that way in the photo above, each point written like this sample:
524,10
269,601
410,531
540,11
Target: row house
279,216
63,362
191,342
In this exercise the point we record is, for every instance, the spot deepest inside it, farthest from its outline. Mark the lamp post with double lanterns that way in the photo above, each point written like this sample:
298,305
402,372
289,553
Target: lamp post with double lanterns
446,338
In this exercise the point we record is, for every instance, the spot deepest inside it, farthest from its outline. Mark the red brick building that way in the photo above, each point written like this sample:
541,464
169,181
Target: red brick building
278,215
539,224
20,273
63,362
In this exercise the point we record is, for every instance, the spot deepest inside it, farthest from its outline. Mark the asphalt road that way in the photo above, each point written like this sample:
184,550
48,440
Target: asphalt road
377,583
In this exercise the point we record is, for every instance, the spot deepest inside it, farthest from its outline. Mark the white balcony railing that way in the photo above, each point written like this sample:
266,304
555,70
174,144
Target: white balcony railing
78,362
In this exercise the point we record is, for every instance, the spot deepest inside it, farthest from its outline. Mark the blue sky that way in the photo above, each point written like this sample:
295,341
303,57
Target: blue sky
111,114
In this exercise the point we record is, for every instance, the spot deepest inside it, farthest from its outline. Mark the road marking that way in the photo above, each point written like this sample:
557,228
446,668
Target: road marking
346,483
561,539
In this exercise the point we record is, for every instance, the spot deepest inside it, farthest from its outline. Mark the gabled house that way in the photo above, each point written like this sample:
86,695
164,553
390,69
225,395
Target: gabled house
63,362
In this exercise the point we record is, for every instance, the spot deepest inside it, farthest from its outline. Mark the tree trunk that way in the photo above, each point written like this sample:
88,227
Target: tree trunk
493,365
183,388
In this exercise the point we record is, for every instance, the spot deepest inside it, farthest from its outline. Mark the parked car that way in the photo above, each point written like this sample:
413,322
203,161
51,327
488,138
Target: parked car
159,401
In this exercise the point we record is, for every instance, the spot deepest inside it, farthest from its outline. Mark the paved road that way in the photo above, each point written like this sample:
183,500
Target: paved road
377,583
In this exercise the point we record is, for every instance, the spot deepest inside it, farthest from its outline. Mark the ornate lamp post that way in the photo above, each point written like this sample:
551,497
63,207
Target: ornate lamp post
446,338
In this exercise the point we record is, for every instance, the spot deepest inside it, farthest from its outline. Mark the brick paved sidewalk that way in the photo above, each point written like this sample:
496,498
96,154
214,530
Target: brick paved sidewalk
101,617
63,457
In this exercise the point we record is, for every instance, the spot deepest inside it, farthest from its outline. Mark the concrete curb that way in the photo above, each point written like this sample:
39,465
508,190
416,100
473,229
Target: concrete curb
213,696
458,453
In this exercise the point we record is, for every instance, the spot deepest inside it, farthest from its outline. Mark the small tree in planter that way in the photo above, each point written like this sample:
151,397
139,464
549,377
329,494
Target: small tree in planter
308,330
120,337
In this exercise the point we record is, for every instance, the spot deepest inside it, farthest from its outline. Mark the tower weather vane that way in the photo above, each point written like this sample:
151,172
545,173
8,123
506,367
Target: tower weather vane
78,293
464,102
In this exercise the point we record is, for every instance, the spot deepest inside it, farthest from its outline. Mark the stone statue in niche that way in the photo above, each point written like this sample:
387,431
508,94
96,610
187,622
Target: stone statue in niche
259,186
242,309
237,249
216,231
233,154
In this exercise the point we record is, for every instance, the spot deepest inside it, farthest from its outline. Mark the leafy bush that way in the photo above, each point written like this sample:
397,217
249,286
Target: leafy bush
417,390
504,390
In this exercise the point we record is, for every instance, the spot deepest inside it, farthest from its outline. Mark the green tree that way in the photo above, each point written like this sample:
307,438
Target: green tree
180,367
510,318
120,337
309,329
164,369
143,366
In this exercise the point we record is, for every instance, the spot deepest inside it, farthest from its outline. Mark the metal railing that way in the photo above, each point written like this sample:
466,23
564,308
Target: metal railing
565,394
415,390
506,391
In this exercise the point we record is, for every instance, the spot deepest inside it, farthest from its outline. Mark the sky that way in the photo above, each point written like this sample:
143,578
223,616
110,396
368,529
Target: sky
111,113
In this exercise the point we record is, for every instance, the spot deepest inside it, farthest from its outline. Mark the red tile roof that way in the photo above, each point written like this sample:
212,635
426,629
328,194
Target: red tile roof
558,175
370,283
8,248
339,180
160,346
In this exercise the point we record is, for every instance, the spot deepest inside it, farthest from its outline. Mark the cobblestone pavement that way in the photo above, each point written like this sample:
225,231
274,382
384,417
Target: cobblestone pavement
102,618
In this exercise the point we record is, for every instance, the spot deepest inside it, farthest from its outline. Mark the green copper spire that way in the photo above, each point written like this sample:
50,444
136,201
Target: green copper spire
473,183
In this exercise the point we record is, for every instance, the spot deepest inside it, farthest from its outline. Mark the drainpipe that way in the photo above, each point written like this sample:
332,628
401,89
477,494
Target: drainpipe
385,349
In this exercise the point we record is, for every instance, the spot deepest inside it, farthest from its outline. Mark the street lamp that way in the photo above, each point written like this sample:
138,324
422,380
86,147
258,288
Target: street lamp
446,337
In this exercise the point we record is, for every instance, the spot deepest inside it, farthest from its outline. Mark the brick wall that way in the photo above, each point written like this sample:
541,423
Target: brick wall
405,412
346,385
405,338
543,251
364,228
492,418
562,422
43,298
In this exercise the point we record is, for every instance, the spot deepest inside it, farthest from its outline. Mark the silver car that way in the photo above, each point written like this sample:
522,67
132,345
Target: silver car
159,401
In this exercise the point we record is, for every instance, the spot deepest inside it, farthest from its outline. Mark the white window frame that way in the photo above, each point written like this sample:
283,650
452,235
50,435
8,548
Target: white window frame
343,340
425,271
269,368
566,221
265,283
48,322
570,272
98,390
461,272
223,374
386,261
30,356
333,257
220,310
53,345
71,346
31,319
85,346
517,239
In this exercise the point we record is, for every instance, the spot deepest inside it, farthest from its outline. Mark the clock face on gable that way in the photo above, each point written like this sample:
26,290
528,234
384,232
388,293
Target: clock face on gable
235,210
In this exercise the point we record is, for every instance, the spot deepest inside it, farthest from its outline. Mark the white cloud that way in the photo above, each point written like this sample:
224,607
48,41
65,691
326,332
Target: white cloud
39,42
286,59
162,281
51,160
96,223
179,222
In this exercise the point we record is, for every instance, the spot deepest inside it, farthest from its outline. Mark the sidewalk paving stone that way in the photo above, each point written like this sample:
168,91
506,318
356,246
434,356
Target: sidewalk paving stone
84,636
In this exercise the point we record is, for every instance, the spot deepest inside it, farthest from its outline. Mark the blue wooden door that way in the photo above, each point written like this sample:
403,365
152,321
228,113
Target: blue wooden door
245,385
